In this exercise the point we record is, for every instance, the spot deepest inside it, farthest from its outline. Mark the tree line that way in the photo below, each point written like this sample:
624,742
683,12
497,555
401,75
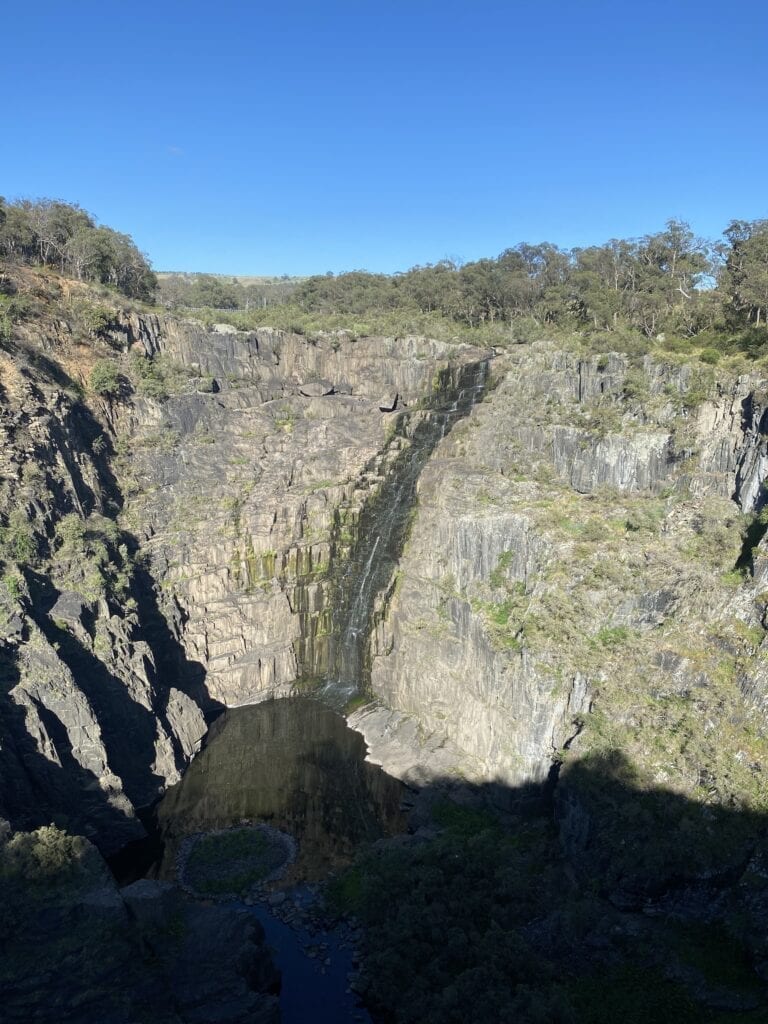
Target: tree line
667,283
48,232
670,281
198,291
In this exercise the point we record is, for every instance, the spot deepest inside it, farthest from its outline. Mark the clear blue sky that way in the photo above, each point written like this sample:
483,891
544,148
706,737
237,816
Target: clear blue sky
302,137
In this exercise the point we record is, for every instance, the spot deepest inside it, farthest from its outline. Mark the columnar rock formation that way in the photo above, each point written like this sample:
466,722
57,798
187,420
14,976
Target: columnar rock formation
576,526
573,550
239,498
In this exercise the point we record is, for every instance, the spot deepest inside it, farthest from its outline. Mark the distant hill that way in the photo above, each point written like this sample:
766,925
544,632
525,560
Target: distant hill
223,291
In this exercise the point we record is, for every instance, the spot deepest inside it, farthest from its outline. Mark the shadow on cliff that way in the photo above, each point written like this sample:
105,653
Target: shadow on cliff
40,789
173,668
128,729
588,902
79,442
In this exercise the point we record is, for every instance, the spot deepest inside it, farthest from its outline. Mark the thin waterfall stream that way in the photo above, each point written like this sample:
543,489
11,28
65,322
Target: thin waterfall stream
293,769
382,530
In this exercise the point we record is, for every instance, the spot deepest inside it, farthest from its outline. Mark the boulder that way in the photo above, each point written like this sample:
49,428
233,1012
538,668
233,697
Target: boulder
389,403
316,389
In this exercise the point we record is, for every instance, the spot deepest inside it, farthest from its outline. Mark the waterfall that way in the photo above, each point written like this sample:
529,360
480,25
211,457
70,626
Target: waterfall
381,532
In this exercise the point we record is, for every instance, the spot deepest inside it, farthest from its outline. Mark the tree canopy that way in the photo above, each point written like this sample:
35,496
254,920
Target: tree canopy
667,283
52,233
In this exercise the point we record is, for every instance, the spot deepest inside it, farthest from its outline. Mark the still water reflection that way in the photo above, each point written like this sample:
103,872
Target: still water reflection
295,764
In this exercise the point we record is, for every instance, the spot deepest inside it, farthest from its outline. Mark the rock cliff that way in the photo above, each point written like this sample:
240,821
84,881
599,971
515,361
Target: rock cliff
584,569
578,577
181,545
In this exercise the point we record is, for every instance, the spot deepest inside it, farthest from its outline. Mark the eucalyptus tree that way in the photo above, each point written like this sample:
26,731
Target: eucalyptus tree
745,277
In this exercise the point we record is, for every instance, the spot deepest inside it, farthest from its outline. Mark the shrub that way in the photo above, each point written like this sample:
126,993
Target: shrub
636,385
12,584
710,356
35,857
96,320
105,378
612,636
17,539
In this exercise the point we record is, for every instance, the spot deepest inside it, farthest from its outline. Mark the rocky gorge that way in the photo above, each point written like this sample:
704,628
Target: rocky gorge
517,571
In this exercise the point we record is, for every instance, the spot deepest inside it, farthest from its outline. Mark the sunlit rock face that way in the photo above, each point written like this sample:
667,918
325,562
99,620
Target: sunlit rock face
250,499
574,543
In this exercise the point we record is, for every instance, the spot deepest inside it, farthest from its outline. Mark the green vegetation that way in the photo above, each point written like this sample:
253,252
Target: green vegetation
463,821
94,319
18,541
35,857
499,574
634,995
91,557
611,636
13,585
506,619
198,291
158,377
37,867
231,862
669,291
49,233
14,307
495,927
105,378
720,957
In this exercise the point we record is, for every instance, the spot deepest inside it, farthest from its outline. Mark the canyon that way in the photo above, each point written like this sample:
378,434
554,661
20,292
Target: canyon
501,566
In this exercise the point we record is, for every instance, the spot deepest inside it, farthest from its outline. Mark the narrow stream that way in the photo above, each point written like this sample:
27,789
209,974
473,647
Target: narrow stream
296,766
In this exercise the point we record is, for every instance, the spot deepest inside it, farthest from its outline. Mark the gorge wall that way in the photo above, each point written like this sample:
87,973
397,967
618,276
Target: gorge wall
578,573
578,579
169,554
536,567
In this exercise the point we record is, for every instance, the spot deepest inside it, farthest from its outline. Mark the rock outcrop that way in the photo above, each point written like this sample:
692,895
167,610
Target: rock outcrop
144,952
581,525
90,729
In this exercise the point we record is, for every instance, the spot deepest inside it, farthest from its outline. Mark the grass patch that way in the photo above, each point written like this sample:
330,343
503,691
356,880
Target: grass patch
463,821
232,861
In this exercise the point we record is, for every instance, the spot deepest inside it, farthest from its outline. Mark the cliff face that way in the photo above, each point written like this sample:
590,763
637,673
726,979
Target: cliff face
89,727
248,499
169,552
229,527
569,583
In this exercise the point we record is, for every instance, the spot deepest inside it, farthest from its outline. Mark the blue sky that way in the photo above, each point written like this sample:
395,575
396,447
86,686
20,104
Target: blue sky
261,138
